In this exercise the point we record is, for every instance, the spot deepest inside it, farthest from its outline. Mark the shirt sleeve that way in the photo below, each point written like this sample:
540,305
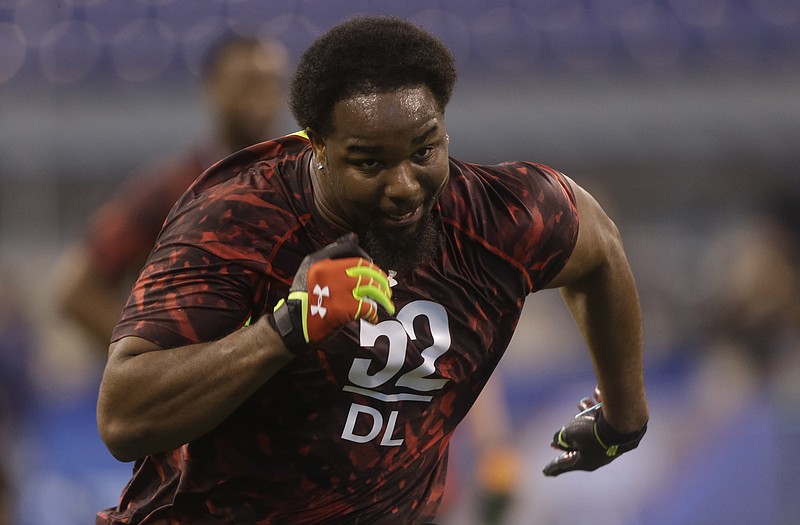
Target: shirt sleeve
210,268
552,229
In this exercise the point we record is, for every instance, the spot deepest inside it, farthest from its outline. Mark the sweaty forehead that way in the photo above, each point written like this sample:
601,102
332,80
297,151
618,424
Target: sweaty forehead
369,113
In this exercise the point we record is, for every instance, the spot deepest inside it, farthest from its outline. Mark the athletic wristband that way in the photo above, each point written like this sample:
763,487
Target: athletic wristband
281,321
612,441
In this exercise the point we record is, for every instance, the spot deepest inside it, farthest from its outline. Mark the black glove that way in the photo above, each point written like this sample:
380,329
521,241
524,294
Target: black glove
333,286
589,442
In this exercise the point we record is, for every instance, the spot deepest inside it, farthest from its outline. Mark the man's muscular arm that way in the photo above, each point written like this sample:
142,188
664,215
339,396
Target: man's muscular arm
599,289
153,399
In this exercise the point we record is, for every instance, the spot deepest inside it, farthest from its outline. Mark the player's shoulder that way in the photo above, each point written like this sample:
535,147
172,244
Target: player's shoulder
494,201
507,172
253,167
261,184
510,180
279,150
524,210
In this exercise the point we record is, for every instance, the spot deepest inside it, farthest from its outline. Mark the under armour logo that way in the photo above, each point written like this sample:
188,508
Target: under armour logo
392,281
318,309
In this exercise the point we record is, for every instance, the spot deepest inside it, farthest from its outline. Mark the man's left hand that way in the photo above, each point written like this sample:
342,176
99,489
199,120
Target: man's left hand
589,442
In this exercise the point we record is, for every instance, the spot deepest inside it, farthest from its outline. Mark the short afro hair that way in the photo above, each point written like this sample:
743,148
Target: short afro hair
367,55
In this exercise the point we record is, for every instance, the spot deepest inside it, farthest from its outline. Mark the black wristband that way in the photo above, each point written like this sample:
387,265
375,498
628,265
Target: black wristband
615,442
285,321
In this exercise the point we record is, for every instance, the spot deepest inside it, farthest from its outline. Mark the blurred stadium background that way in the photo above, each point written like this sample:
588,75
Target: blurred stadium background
681,116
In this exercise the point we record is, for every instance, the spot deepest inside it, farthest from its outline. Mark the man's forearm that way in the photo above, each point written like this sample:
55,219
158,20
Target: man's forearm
605,305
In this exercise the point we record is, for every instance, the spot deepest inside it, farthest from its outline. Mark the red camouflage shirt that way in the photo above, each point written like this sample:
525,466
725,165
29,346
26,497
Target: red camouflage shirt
354,431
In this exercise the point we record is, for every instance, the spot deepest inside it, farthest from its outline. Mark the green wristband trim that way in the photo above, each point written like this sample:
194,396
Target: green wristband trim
303,298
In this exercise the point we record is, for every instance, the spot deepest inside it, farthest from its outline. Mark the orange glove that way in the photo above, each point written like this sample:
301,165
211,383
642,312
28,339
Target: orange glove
344,286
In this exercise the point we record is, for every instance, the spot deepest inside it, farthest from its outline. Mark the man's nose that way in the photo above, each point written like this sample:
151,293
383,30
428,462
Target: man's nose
402,183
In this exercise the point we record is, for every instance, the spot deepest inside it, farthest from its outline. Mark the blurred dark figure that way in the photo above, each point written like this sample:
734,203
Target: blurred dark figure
496,455
16,393
5,498
756,300
493,465
243,86
754,314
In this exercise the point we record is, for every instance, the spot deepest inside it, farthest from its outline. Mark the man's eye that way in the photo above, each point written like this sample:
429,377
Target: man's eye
368,164
424,153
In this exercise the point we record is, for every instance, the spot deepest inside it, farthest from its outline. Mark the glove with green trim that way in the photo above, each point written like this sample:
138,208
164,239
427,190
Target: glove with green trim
589,442
332,287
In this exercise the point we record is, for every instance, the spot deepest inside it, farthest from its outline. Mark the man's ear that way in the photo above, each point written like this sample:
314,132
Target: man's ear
317,145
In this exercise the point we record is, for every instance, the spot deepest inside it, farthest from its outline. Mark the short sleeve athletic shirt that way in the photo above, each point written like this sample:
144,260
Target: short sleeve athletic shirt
355,430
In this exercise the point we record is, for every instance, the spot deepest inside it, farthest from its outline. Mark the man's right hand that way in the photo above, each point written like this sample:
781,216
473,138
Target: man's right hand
332,287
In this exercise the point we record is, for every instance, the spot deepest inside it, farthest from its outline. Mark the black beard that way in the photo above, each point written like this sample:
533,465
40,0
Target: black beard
401,251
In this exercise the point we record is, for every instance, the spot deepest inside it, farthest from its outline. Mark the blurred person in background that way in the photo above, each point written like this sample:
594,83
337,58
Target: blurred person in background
244,87
6,495
754,326
755,299
497,457
16,390
483,472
